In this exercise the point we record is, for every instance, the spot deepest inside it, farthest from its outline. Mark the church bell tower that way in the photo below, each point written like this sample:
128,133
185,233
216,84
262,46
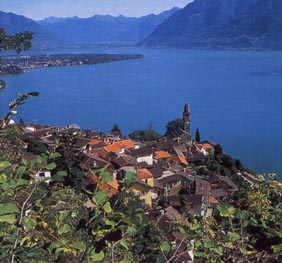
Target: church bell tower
186,119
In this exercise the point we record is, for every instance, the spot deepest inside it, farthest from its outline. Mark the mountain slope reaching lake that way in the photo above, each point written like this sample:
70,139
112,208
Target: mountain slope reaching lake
254,24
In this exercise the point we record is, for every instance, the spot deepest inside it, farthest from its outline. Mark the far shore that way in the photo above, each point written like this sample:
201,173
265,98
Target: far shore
17,65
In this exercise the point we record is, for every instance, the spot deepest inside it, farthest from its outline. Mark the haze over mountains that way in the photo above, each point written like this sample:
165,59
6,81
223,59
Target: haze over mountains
75,31
215,24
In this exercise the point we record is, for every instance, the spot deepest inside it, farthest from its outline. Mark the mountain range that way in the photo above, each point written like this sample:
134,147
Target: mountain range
75,31
221,24
204,24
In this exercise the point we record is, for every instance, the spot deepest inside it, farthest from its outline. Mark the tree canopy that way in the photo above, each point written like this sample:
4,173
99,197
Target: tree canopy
18,42
173,124
144,135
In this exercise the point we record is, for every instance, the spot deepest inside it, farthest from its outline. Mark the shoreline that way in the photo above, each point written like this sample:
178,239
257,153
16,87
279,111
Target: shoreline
14,65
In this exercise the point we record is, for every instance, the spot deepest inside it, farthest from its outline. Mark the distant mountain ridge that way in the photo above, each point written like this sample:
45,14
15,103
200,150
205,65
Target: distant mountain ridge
202,24
74,31
105,28
222,24
13,23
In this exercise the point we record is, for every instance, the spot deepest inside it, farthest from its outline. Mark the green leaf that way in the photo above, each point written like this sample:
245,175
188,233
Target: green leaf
64,229
54,155
51,166
79,246
126,261
199,254
246,252
131,230
97,256
198,243
219,250
4,165
21,170
107,208
182,231
129,178
277,248
9,208
5,186
31,223
62,173
165,247
63,216
22,182
13,183
110,222
100,197
233,236
209,244
124,243
254,221
106,177
195,226
25,162
40,159
11,218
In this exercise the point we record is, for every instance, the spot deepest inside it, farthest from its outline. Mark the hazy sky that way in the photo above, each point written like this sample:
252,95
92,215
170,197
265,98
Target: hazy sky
39,9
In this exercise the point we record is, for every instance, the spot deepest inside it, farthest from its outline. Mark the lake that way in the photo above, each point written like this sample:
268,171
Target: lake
235,97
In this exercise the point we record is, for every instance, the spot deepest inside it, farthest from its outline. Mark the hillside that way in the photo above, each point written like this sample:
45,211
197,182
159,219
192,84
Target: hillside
222,24
13,23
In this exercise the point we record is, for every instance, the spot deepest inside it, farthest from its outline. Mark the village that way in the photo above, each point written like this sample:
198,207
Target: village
171,173
17,64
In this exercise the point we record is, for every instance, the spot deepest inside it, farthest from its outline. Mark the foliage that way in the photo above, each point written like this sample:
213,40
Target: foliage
13,105
174,124
18,42
37,220
144,135
10,144
198,136
250,231
116,129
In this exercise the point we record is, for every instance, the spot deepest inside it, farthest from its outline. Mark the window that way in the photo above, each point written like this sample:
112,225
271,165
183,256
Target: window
41,174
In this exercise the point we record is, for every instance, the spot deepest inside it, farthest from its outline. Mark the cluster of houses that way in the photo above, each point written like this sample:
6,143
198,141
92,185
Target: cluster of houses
16,65
166,181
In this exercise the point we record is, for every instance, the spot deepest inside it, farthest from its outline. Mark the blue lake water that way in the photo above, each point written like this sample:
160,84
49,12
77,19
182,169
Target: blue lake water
235,97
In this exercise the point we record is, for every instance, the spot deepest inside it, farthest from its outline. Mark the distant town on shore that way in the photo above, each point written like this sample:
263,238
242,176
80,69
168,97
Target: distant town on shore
17,64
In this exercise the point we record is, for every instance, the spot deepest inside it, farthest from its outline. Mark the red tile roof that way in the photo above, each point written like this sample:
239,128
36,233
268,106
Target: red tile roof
207,146
162,155
119,145
181,159
102,152
144,174
110,187
95,141
212,200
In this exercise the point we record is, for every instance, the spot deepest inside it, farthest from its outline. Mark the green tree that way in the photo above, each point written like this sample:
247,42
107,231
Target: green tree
173,124
18,42
198,136
218,149
116,129
144,135
246,231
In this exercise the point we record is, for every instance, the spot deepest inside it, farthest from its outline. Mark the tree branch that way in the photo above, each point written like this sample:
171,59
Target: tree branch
21,220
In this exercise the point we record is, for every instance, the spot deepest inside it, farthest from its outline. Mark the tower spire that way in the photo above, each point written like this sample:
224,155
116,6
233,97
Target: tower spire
186,118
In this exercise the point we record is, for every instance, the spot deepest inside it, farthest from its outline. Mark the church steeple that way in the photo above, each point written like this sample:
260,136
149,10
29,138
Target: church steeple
186,119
